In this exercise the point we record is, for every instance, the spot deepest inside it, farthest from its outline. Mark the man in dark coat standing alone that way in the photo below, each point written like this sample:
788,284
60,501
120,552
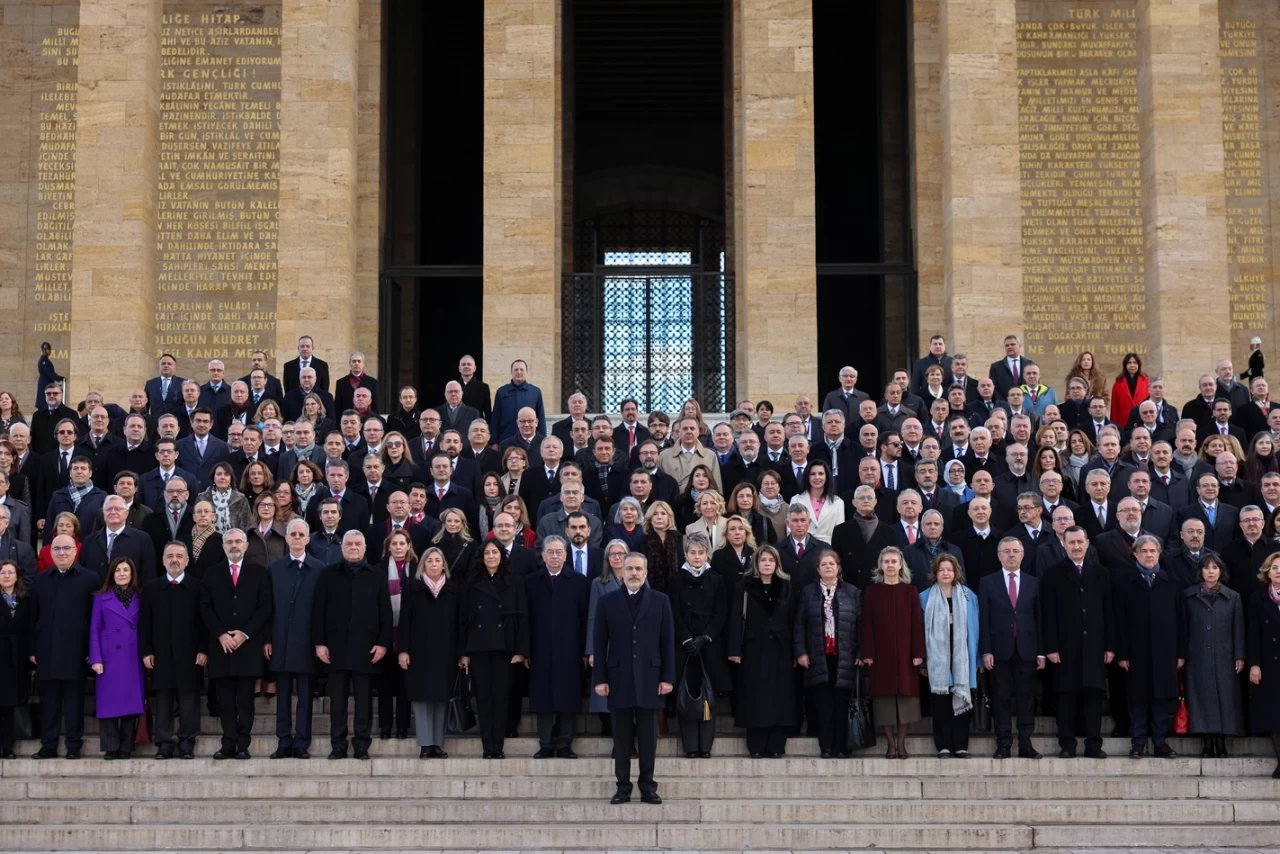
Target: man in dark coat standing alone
352,607
235,605
1148,611
290,651
634,667
557,637
1079,641
61,601
173,646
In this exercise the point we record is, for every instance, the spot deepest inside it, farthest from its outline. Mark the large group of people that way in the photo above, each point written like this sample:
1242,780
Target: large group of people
953,540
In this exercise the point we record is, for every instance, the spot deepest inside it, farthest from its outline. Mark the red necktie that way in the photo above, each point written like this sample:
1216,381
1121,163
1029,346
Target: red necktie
799,550
1013,599
235,574
440,494
911,533
175,517
174,582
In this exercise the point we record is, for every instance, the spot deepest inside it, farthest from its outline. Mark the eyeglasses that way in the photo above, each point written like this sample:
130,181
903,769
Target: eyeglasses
62,549
394,444
297,534
66,432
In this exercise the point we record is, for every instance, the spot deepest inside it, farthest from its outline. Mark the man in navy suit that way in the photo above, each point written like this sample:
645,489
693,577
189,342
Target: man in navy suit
79,497
153,482
271,386
1221,521
1010,643
165,391
443,493
1007,372
216,393
635,620
306,359
116,539
355,509
201,451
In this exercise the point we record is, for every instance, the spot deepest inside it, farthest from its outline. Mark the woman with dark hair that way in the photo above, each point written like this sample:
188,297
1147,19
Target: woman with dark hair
286,502
1086,369
398,560
230,505
113,656
1264,655
308,485
1048,459
1129,389
399,469
759,641
430,639
744,501
1261,458
817,493
825,640
491,493
10,412
1213,662
1079,455
267,539
893,648
256,480
665,549
686,504
525,533
950,613
495,637
19,484
15,644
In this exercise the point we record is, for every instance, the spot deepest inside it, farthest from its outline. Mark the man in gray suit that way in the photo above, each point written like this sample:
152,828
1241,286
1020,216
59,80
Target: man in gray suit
454,414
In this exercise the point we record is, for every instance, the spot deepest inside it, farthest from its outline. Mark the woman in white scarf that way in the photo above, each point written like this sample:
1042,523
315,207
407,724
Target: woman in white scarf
951,654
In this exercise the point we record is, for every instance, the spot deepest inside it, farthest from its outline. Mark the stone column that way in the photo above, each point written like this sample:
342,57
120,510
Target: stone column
1180,102
928,169
774,199
318,293
113,279
981,188
369,206
522,205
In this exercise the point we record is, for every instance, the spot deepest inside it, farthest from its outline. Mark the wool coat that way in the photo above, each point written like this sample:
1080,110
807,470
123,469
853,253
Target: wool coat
557,639
293,596
15,642
700,606
61,604
1263,622
634,651
431,633
351,615
113,643
807,637
760,632
170,628
1078,621
244,607
1148,625
893,635
599,587
1213,638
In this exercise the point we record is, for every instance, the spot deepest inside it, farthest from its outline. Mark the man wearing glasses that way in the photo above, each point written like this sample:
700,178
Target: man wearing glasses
45,419
79,497
55,467
290,653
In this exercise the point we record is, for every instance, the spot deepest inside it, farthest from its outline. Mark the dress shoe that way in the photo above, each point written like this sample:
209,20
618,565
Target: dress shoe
620,797
706,754
362,755
1137,751
1220,746
961,754
337,754
224,754
402,733
827,754
1095,754
109,755
651,798
160,754
566,753
282,753
1207,747
189,755
1164,751
124,754
437,753
944,754
243,754
1066,753
73,754
488,754
425,753
902,752
1029,753
9,755
386,733
301,754
692,754
499,755
45,753
757,755
545,753
1001,753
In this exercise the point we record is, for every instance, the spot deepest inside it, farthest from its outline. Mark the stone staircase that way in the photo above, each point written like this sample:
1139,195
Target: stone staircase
727,803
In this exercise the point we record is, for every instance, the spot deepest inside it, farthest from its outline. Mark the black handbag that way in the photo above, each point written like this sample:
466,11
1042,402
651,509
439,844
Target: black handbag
699,705
26,717
981,705
462,712
861,732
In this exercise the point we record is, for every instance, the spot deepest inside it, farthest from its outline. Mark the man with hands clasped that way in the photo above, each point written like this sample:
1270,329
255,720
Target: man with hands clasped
174,645
1009,611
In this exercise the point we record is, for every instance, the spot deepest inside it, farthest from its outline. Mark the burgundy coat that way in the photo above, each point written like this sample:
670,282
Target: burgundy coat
892,635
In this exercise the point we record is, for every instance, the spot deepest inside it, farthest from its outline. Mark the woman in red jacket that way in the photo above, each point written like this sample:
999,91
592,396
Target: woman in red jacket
1129,390
893,648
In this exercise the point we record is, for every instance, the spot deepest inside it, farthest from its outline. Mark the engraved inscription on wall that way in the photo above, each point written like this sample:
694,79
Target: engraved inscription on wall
1082,239
219,183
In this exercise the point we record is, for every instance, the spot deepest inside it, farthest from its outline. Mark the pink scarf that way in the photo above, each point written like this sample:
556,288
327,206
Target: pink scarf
435,586
1274,593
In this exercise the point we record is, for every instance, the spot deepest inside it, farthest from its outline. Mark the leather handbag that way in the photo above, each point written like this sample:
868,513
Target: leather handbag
26,717
461,715
1181,718
861,731
695,703
981,705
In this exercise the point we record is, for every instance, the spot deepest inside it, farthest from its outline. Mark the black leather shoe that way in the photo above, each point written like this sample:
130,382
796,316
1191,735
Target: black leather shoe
620,798
45,753
362,754
827,754
9,756
282,753
437,753
545,753
386,733
1001,753
243,754
109,755
651,798
1137,751
425,753
499,755
1095,754
224,754
566,753
160,754
402,733
488,754
1029,753
301,754
123,755
961,754
73,754
1164,751
1066,753
337,754
188,755
758,755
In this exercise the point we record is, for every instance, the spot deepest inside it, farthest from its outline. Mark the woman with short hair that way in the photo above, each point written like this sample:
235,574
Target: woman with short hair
825,640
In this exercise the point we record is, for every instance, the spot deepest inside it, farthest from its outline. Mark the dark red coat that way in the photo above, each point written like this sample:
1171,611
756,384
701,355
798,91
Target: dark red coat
893,635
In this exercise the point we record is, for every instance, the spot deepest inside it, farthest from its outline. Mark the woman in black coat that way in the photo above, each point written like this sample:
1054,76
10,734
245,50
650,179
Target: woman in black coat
430,640
15,631
461,552
733,559
495,630
1263,652
825,640
686,504
699,608
759,640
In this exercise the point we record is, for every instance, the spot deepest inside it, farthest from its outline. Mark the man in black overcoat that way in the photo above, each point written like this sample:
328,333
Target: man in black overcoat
1079,641
235,606
634,667
558,599
351,630
290,652
1148,612
799,549
173,645
61,602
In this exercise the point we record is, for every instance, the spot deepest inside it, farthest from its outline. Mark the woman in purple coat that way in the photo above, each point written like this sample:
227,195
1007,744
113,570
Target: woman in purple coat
113,655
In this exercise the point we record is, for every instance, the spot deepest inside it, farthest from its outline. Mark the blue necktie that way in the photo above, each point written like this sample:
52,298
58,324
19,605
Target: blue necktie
577,563
1212,513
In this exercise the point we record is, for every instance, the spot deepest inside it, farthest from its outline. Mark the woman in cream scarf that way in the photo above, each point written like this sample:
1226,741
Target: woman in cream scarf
951,654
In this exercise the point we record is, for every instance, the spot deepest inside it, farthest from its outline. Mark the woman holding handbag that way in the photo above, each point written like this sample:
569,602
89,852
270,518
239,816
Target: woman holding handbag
15,632
824,639
430,630
951,654
1212,665
699,609
113,656
761,614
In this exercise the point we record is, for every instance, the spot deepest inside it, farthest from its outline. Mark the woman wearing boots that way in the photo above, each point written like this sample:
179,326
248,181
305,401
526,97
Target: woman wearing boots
700,609
1213,657
893,648
1264,655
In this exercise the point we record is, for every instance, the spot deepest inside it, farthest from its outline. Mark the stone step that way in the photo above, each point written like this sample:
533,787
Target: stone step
1173,835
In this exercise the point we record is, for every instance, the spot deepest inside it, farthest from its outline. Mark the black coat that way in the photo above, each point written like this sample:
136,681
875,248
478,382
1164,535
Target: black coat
858,556
61,604
352,615
130,543
700,606
807,634
1078,623
725,563
919,561
634,653
170,628
981,557
431,633
1149,621
244,607
1263,620
760,632
15,640
293,593
557,639
496,615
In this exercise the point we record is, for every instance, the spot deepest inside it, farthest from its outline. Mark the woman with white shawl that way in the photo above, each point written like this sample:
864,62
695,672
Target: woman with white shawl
951,654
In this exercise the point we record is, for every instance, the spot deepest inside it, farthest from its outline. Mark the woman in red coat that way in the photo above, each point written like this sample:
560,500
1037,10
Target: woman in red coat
893,648
1129,390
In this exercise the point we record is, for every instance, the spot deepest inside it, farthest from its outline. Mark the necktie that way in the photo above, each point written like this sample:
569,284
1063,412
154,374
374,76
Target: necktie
578,564
551,474
1102,515
95,439
111,541
164,392
1013,598
1013,366
799,550
235,574
1222,428
1080,569
440,494
911,534
1164,478
373,495
200,444
1212,513
631,443
173,582
888,477
175,517
1035,535
1033,396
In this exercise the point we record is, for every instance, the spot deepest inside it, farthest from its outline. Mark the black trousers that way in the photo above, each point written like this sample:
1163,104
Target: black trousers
1118,695
342,684
188,720
1075,707
831,708
116,735
950,731
293,728
767,739
630,725
517,690
393,699
61,713
235,703
555,729
491,681
6,730
1015,679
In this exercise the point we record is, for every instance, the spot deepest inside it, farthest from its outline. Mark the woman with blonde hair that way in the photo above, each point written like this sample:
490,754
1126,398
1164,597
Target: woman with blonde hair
267,409
455,541
893,648
665,548
429,647
399,467
710,522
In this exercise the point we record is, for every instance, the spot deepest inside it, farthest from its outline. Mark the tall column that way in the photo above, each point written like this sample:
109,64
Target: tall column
113,278
522,246
774,199
318,293
927,174
981,189
1180,103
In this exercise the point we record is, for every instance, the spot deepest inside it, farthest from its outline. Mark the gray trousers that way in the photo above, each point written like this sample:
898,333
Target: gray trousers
428,721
